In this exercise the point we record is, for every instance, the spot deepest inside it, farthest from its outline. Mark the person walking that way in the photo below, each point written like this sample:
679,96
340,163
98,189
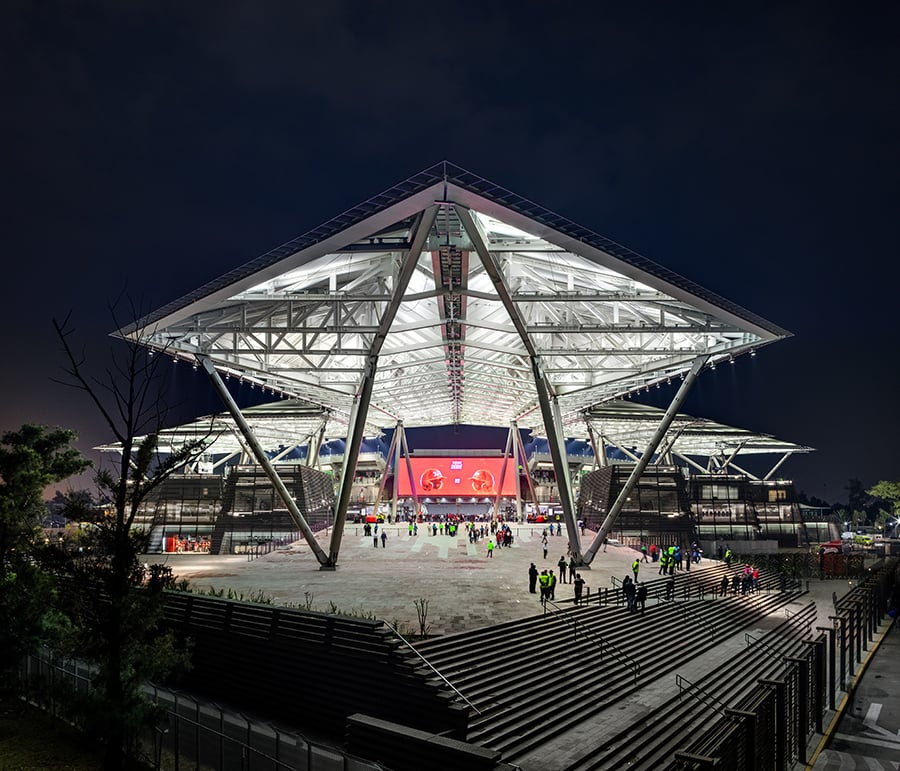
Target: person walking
663,563
532,579
490,547
544,545
578,582
723,587
644,552
635,566
383,539
544,580
562,565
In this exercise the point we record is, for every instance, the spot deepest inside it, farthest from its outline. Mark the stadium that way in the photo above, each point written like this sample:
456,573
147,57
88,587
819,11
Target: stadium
448,304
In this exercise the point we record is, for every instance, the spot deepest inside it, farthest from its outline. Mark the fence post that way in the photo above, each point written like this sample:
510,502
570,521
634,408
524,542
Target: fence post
829,667
802,706
837,621
860,630
747,722
817,649
780,689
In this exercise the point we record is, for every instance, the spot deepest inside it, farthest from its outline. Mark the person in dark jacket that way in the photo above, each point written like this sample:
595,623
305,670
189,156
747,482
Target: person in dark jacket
641,597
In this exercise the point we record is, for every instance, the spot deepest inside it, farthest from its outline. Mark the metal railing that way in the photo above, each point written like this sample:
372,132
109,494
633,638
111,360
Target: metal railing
603,644
193,733
432,667
707,699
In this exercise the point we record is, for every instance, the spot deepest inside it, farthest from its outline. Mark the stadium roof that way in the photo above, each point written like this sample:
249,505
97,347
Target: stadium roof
289,423
457,299
631,424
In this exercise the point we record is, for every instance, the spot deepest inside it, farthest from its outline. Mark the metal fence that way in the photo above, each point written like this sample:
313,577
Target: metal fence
777,720
192,734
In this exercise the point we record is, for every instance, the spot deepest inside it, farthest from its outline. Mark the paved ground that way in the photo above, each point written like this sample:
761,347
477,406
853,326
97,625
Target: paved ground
867,735
464,588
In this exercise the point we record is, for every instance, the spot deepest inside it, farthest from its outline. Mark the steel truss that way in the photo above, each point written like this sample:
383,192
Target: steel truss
449,300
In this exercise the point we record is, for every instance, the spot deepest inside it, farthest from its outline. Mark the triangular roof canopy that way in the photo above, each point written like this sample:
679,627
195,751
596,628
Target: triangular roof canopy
631,424
484,289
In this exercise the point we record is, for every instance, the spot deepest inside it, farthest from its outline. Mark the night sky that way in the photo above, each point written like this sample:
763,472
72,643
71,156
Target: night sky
149,147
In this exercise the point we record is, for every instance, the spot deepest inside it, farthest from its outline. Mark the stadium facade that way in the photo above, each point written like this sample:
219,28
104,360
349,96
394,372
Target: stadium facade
447,301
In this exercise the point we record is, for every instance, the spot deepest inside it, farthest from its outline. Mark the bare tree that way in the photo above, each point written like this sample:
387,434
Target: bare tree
114,606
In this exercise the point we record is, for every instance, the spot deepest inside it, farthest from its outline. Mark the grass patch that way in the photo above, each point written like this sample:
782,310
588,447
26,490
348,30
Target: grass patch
31,740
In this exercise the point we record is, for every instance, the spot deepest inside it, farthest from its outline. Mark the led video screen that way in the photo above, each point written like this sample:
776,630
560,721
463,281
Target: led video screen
448,477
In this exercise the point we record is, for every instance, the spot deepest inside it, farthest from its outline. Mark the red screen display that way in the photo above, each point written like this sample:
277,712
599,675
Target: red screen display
448,477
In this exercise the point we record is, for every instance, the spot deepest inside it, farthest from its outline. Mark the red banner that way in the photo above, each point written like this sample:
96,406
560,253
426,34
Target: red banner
448,477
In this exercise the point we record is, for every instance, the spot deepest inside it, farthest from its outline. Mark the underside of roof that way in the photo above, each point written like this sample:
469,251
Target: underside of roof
630,424
289,423
459,299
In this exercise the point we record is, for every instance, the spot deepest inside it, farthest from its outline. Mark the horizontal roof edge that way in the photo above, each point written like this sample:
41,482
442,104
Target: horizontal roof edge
455,175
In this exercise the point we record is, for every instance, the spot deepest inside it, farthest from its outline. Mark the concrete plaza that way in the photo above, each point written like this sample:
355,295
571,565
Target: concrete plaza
465,589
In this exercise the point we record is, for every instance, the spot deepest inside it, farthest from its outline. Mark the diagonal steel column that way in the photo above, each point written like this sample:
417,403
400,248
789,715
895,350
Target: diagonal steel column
384,476
775,468
531,492
644,460
546,397
690,462
403,449
364,395
746,473
556,444
315,447
263,460
506,453
599,461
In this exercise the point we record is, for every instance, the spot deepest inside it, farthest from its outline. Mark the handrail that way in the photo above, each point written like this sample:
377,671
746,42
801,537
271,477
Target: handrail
767,649
431,666
687,613
685,685
806,616
619,655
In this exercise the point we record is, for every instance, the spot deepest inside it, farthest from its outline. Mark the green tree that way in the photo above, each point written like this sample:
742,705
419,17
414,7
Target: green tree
856,499
116,605
30,459
890,493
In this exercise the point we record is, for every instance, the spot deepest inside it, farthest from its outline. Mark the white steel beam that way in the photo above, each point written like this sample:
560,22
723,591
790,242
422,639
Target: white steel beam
261,458
639,467
547,399
775,468
364,394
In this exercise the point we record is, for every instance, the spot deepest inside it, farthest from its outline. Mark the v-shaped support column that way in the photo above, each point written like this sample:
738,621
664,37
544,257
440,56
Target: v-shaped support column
403,450
509,450
523,459
360,409
644,460
263,460
557,445
546,397
387,469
